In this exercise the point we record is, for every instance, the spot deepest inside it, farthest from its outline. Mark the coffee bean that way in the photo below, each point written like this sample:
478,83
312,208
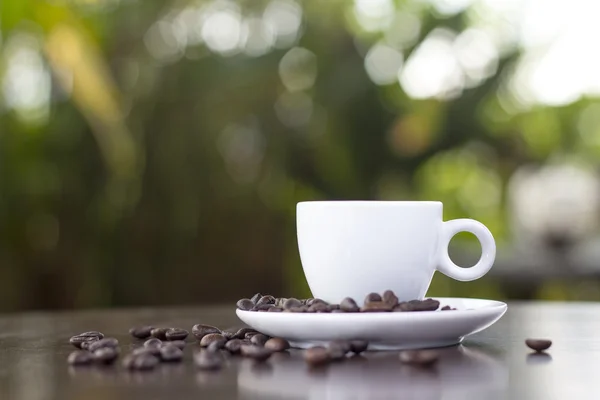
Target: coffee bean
446,308
249,335
200,330
277,344
153,345
244,304
159,333
79,357
371,297
376,306
268,299
233,346
141,332
78,341
99,344
155,351
349,305
292,303
390,298
256,298
275,309
279,301
212,337
176,334
86,345
318,308
106,355
97,334
358,346
241,333
312,302
255,352
317,356
338,349
423,358
306,301
427,305
177,343
170,353
538,345
262,307
208,360
142,362
216,345
402,307
259,339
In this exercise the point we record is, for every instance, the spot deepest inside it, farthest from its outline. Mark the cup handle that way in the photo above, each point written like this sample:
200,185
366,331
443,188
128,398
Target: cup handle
488,249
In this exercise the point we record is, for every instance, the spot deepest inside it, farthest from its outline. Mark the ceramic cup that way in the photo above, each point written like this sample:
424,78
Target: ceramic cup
353,248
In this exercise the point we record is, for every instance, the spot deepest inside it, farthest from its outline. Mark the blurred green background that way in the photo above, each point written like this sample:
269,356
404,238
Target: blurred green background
152,152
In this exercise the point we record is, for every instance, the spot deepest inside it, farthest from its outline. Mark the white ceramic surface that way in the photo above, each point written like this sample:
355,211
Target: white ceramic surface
384,331
353,248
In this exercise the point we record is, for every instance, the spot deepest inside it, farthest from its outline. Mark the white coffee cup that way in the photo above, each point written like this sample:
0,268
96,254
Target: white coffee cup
353,248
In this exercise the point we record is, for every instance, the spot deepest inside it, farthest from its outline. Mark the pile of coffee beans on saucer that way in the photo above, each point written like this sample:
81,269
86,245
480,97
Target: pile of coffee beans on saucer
373,302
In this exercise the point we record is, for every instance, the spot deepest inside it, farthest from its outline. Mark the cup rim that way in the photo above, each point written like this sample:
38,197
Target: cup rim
368,203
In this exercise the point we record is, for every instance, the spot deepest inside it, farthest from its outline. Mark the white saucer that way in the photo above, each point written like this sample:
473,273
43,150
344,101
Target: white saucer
383,331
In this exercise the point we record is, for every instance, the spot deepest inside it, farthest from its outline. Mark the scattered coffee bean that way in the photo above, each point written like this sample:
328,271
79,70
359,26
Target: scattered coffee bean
170,353
159,333
249,335
255,352
141,332
259,339
371,297
212,337
316,356
358,346
338,349
200,330
349,305
99,344
86,345
153,345
216,345
234,346
538,345
376,306
106,355
207,360
78,340
277,344
292,303
154,351
229,333
256,298
423,358
176,334
275,309
241,333
97,334
177,343
142,362
268,299
245,304
80,357
390,298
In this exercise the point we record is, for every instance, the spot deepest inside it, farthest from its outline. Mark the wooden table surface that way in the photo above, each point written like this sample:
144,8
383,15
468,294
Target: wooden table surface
494,364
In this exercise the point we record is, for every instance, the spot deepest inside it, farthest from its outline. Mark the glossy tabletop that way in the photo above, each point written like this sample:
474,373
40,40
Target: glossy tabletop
493,364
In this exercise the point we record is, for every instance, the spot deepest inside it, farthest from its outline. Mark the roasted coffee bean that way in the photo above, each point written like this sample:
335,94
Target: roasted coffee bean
208,360
106,355
259,339
316,356
229,333
376,306
144,362
306,301
216,345
446,308
153,345
177,343
349,305
176,334
358,346
423,358
245,304
371,297
277,344
262,307
268,299
241,333
318,308
249,335
79,357
159,333
86,345
427,305
170,353
538,345
390,298
141,332
292,303
279,301
312,302
200,330
78,340
99,344
338,349
275,309
212,337
255,352
97,334
234,346
256,298
155,351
